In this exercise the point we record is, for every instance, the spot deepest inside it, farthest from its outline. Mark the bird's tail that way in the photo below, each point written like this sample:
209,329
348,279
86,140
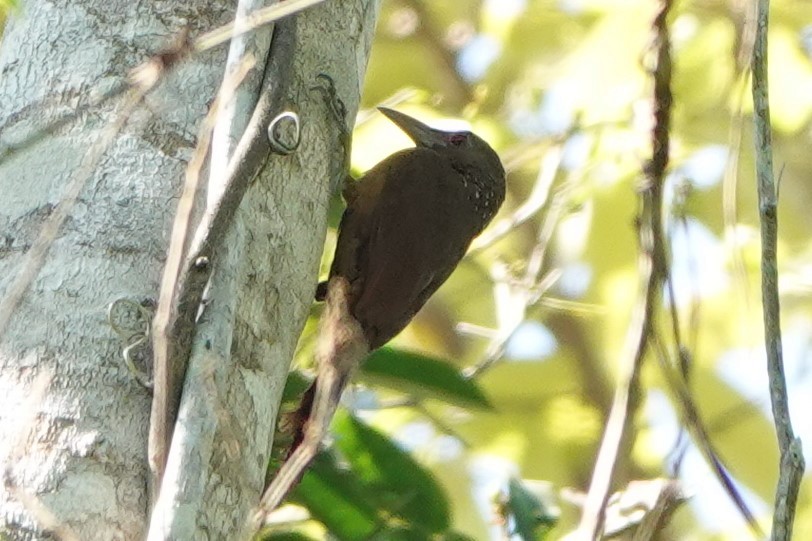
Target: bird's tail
342,346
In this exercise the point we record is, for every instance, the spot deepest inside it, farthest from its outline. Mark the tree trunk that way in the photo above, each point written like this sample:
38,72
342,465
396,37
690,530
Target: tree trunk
73,419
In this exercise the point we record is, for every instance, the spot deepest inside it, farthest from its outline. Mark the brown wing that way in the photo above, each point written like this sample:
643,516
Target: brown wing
400,238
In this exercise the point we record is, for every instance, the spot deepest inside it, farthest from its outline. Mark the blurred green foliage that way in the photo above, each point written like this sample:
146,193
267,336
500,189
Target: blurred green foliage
562,90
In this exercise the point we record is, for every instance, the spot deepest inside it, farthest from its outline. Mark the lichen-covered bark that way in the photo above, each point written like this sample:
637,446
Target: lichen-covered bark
83,457
83,454
243,346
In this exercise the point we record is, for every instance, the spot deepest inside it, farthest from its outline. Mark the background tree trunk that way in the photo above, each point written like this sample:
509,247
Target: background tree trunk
77,449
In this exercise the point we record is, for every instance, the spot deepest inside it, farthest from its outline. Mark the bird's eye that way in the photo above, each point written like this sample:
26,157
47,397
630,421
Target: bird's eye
456,139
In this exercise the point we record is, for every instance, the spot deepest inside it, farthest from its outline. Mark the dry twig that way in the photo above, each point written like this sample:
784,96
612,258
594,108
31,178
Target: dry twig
653,270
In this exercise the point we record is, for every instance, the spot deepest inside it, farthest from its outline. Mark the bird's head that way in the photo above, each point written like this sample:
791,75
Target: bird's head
462,146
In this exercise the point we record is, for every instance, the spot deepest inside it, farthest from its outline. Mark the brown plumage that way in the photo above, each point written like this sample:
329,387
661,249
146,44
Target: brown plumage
408,223
410,220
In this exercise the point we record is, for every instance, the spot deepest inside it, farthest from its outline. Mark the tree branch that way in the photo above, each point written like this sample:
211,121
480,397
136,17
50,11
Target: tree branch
653,270
182,289
792,462
261,241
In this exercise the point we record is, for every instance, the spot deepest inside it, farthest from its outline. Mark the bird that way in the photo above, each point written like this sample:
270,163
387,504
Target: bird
407,224
410,220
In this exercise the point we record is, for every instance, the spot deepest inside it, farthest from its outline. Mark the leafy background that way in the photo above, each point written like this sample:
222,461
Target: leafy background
562,90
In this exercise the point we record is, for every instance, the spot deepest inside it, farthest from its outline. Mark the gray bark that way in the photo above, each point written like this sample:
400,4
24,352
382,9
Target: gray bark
253,318
74,454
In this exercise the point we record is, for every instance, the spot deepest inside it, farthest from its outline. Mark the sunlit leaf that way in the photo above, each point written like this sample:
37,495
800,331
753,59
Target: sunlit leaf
422,375
270,534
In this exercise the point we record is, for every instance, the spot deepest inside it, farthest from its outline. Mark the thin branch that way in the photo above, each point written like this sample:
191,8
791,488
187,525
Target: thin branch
251,22
528,293
235,113
675,369
538,198
164,380
792,462
642,509
521,303
173,330
669,498
653,270
699,433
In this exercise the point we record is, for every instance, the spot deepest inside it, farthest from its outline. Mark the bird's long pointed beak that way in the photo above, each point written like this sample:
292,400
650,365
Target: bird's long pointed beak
420,133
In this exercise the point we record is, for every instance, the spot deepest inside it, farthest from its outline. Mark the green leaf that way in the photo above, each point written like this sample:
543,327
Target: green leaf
456,536
336,498
401,485
412,533
419,374
400,534
533,519
295,386
272,534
